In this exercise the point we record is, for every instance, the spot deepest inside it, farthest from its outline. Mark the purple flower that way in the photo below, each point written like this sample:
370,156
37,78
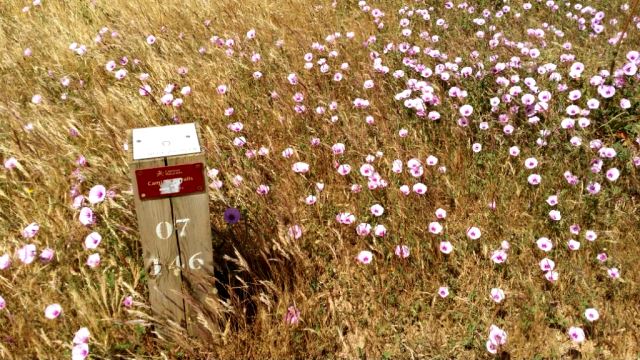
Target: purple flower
231,216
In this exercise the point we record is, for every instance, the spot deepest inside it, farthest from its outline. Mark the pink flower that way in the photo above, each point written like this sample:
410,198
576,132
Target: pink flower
97,194
10,163
420,188
466,110
497,295
497,336
92,240
128,302
344,169
363,229
46,255
292,317
435,227
573,245
300,167
87,217
30,231
445,247
602,257
499,256
5,262
443,291
576,334
614,273
3,303
380,230
53,311
547,264
27,254
544,244
81,336
80,352
551,276
377,210
365,257
591,314
534,179
93,261
151,39
531,163
473,233
402,251
590,235
295,232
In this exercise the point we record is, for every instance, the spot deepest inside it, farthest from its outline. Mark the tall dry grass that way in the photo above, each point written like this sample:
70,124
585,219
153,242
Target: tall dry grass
389,309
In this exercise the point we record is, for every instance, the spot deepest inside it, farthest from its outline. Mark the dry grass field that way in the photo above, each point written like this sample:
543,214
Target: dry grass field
498,142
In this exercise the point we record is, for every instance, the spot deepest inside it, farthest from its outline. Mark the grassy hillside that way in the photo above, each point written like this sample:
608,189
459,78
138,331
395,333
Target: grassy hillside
498,142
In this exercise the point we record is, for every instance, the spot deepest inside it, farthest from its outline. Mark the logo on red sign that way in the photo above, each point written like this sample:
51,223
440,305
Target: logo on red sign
176,180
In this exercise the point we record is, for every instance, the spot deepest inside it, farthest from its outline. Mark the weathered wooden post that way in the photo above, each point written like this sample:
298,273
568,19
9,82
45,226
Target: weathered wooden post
172,205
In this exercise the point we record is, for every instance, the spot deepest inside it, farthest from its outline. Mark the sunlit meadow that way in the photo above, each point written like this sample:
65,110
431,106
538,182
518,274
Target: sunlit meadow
388,179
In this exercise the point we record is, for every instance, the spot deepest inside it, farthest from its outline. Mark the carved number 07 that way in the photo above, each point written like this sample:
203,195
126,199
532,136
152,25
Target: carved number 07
164,229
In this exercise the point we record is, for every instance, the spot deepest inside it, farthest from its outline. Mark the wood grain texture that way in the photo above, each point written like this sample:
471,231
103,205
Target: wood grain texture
194,239
165,289
182,246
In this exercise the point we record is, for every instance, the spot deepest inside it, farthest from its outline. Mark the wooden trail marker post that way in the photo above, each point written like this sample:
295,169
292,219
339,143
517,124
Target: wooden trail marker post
168,173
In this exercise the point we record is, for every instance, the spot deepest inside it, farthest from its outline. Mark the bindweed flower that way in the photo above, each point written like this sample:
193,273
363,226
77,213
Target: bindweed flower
402,251
544,244
300,167
551,276
80,352
497,336
310,200
53,311
262,189
363,229
590,235
295,232
30,230
614,273
27,254
534,179
555,215
435,227
547,264
47,255
92,240
3,303
128,302
573,245
93,261
81,336
499,256
5,262
87,217
10,163
377,210
292,317
443,291
576,334
497,295
602,257
380,230
591,314
473,233
365,257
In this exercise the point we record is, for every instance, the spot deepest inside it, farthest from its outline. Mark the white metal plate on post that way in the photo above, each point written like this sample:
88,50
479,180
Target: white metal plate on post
161,141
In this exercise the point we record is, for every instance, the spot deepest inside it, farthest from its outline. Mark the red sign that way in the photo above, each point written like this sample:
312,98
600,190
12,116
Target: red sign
177,180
